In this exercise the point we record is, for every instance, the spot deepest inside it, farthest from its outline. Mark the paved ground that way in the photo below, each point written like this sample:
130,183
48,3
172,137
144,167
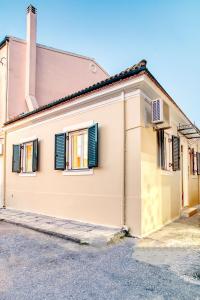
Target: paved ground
182,233
76,231
37,266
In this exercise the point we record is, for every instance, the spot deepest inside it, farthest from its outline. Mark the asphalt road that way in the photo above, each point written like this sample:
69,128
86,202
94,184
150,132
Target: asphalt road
37,266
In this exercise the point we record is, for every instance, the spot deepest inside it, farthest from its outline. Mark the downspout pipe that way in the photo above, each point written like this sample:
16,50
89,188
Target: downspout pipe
123,221
4,168
5,134
198,150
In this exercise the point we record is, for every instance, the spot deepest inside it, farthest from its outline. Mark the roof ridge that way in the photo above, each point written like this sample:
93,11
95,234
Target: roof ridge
50,48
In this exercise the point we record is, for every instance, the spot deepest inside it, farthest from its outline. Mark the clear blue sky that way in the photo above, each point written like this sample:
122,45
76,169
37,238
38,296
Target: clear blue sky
118,33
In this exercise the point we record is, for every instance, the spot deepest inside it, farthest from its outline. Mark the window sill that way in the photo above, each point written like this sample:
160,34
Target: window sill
27,174
78,172
166,173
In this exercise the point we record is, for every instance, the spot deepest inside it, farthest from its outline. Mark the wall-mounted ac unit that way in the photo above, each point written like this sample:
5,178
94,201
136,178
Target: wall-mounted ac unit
1,149
160,113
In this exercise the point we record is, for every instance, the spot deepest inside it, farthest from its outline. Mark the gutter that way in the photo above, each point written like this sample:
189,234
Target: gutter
111,80
104,83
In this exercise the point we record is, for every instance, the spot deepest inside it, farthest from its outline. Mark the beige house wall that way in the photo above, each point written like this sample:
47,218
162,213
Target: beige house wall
161,191
94,198
97,198
133,211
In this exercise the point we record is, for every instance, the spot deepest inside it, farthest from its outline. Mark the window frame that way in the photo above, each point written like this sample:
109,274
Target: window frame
166,155
24,158
69,150
167,152
66,130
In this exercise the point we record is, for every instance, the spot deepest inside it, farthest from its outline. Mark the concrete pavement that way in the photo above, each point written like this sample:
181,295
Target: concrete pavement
83,233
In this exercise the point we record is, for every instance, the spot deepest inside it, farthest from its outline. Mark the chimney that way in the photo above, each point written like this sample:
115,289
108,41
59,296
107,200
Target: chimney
31,58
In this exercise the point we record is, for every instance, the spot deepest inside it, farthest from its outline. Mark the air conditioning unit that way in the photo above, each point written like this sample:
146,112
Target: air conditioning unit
1,149
160,113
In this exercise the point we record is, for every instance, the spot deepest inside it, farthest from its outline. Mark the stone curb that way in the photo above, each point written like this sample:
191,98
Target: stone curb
49,232
101,240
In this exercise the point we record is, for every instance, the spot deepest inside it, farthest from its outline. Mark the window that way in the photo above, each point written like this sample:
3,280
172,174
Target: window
25,157
77,150
168,151
192,162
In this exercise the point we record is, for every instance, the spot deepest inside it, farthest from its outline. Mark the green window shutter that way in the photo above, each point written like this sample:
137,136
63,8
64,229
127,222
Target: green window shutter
16,159
175,153
60,151
35,156
161,149
198,163
93,146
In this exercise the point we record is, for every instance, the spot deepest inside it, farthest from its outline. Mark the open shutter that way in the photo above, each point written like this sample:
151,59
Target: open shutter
16,159
198,163
175,153
35,156
93,146
60,151
161,149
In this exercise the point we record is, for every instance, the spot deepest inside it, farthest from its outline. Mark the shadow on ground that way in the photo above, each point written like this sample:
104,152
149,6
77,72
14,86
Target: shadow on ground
176,246
36,266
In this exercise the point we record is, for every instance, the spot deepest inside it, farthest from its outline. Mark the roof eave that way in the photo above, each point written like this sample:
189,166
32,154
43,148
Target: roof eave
95,87
3,42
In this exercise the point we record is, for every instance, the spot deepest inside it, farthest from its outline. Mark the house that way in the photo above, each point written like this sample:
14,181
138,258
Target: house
116,152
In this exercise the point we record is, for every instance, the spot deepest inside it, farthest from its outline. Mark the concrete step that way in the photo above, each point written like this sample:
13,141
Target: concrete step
189,212
79,232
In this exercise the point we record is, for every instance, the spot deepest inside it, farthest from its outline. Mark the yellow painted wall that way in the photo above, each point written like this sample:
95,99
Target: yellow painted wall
161,193
133,166
94,198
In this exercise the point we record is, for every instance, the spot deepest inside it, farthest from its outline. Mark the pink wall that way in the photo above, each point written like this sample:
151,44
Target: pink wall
60,74
57,75
16,78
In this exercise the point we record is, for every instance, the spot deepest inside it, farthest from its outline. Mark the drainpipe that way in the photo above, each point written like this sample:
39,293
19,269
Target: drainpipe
31,46
5,119
198,179
124,162
4,169
5,134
